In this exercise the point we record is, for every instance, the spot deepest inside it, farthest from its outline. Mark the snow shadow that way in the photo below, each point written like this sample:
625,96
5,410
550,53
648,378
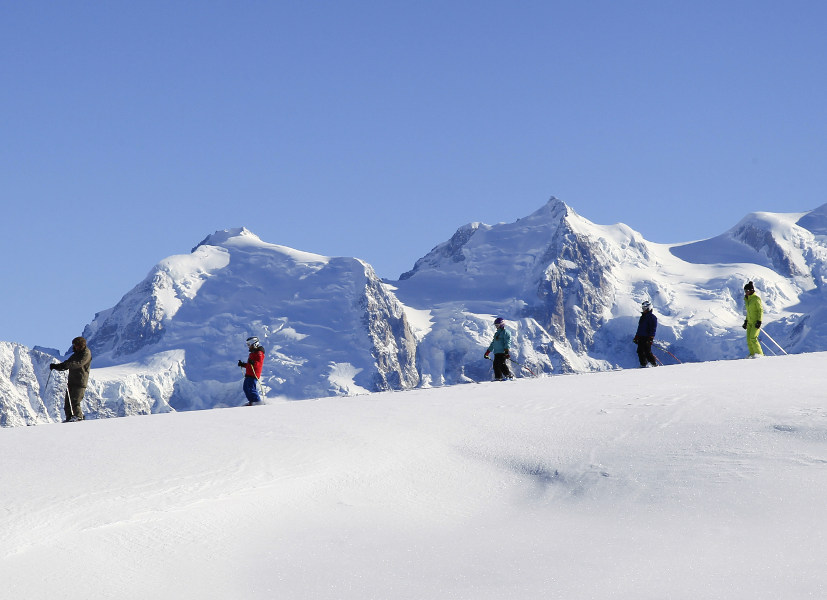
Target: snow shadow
550,480
544,479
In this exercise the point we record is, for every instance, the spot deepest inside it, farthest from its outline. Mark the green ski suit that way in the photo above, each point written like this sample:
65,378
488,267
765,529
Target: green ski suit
755,314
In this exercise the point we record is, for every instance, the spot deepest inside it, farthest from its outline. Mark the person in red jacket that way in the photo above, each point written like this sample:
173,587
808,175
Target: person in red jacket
252,371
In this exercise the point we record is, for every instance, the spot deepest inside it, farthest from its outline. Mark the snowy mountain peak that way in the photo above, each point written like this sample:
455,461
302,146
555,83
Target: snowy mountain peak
777,239
509,245
222,237
815,221
245,242
328,325
553,210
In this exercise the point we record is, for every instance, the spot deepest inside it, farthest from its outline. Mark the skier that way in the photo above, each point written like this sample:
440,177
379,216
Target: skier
645,336
252,371
755,312
501,346
78,366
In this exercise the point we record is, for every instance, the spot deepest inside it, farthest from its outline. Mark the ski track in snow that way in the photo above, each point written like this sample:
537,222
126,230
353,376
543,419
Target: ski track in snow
696,481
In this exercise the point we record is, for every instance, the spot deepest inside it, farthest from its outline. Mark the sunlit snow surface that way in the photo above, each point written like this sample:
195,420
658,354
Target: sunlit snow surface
686,482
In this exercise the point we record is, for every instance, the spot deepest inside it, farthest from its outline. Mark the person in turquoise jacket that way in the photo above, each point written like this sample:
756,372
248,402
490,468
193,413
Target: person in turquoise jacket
755,313
501,347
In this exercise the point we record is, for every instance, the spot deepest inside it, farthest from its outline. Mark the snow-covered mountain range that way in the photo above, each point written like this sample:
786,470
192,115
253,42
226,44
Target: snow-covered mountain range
569,289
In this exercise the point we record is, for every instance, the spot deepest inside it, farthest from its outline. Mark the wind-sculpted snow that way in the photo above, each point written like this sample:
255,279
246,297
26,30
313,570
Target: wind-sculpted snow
569,290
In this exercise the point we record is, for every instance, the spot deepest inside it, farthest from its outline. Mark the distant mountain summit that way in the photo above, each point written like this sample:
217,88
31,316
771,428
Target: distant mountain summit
329,325
569,289
549,274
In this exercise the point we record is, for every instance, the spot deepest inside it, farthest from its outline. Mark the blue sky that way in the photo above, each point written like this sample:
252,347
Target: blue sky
131,130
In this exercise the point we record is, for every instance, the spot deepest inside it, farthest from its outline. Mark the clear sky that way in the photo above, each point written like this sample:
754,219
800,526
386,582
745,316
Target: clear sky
129,131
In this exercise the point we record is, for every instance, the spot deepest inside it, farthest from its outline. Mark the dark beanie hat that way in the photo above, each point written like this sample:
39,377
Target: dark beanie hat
749,287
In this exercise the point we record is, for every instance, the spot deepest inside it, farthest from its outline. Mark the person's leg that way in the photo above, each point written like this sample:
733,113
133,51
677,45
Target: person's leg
505,369
251,389
753,344
67,407
641,353
650,356
499,359
77,397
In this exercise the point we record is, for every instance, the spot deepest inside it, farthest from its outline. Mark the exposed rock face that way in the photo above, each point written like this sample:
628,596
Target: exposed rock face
24,397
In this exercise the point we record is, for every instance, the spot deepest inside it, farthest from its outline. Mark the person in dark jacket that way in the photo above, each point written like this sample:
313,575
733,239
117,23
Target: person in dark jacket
501,347
645,336
78,366
252,371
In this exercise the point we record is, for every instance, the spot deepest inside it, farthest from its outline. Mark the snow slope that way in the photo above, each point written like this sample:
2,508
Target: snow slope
696,481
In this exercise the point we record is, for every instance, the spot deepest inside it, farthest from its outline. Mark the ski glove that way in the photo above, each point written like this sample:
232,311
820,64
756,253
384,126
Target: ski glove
487,352
758,324
636,340
507,354
745,324
241,364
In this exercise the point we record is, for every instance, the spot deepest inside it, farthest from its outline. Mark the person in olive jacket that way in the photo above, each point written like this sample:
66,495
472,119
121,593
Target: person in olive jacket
78,366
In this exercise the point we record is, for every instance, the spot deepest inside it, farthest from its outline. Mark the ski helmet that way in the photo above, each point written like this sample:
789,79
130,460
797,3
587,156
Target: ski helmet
646,306
499,321
252,341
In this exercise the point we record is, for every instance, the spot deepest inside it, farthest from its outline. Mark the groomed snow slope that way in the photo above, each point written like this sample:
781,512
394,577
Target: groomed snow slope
695,481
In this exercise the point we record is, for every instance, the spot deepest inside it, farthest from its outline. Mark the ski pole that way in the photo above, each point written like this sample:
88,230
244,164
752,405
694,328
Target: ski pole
69,402
522,365
774,342
48,379
767,348
657,358
661,347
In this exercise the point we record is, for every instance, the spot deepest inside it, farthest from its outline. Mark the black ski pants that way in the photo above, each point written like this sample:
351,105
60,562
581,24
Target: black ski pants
501,369
644,352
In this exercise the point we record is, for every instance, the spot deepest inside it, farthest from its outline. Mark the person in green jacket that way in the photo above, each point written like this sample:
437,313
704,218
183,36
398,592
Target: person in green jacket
501,347
755,313
78,367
